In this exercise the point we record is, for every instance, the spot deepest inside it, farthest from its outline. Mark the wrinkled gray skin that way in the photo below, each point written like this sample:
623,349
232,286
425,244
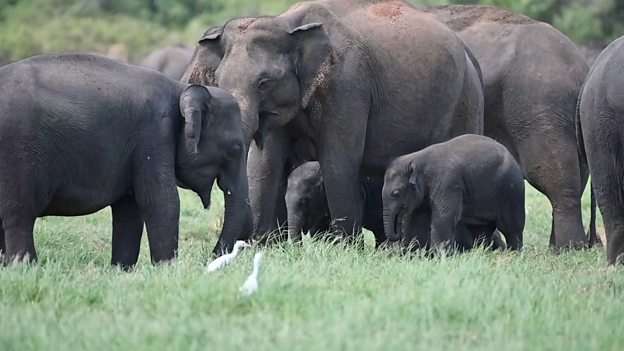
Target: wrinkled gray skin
79,133
470,185
601,113
307,208
171,61
361,88
533,75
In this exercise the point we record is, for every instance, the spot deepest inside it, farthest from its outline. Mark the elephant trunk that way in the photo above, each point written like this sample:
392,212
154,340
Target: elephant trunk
237,221
295,225
392,224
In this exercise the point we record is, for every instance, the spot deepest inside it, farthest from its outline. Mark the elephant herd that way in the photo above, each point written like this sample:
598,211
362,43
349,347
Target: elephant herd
334,115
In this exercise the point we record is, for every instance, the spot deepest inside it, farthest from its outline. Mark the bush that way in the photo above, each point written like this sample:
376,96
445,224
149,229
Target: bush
40,26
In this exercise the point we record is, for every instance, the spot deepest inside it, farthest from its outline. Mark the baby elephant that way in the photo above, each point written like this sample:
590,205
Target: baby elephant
307,207
468,185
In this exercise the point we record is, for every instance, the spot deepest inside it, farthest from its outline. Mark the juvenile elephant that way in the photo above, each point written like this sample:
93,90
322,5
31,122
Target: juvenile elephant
533,75
601,117
170,61
307,208
469,184
363,88
79,133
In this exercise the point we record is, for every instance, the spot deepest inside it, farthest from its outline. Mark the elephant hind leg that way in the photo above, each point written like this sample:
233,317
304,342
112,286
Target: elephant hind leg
18,239
551,164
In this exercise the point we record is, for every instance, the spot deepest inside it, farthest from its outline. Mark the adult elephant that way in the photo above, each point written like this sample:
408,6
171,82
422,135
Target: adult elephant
601,117
79,133
533,75
362,88
170,61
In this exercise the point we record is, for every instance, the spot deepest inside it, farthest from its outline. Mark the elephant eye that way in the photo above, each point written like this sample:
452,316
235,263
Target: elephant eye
395,193
263,83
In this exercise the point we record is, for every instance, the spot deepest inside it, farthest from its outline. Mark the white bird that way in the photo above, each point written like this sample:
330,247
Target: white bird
251,283
226,259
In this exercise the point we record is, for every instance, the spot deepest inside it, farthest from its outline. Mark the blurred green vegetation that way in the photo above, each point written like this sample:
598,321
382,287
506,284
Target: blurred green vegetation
129,29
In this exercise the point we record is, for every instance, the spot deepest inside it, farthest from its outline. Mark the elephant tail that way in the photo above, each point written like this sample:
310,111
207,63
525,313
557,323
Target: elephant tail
476,64
592,236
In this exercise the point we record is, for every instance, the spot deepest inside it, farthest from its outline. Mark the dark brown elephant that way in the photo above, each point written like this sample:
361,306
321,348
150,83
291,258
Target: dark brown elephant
533,75
363,88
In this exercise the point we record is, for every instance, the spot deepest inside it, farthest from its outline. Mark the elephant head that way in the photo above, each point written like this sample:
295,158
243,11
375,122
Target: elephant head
272,65
306,203
403,192
212,147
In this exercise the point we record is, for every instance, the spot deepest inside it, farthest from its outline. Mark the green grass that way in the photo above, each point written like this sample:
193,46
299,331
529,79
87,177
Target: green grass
311,297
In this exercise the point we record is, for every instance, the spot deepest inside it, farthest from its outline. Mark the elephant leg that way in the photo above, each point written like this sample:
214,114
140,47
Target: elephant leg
127,232
267,183
609,195
156,195
607,169
18,237
2,243
341,153
551,164
446,212
513,229
465,238
344,199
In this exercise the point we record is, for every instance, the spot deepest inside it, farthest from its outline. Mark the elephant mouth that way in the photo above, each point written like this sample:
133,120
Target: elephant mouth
397,225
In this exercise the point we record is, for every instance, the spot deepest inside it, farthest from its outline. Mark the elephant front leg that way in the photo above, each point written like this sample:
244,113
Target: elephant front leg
157,198
267,183
127,232
2,244
446,213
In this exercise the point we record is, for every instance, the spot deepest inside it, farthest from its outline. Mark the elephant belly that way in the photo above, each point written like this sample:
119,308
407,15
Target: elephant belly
78,201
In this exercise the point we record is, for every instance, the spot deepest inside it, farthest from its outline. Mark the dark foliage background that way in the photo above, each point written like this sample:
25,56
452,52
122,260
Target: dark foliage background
128,29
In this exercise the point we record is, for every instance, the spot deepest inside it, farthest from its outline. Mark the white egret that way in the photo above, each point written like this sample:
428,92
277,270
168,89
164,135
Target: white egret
250,285
226,259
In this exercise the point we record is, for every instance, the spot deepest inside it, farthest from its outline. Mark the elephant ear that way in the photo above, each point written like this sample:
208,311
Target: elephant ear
212,33
415,179
206,58
195,107
313,60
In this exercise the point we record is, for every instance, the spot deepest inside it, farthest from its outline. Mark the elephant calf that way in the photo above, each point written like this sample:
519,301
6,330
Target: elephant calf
465,187
307,207
80,132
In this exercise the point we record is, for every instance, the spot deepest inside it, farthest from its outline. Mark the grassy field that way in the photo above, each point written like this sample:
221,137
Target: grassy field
313,297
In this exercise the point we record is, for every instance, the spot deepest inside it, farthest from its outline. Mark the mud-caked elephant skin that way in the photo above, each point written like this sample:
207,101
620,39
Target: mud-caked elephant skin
79,133
470,186
364,82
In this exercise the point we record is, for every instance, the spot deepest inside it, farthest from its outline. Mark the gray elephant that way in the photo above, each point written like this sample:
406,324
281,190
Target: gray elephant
307,208
361,88
601,118
533,75
171,61
79,133
470,186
